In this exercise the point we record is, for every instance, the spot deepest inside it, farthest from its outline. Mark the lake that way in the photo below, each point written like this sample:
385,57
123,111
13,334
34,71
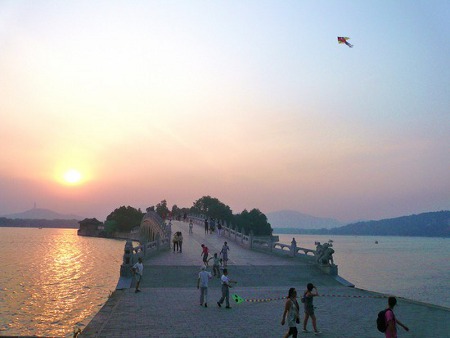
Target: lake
53,280
416,268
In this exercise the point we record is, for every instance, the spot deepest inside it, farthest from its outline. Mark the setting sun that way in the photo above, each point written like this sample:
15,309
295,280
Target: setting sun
72,176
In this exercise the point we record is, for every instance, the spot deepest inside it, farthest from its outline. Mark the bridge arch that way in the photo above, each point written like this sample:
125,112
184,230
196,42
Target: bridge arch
152,227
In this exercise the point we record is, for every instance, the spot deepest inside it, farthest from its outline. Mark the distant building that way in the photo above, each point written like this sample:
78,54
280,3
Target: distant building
91,227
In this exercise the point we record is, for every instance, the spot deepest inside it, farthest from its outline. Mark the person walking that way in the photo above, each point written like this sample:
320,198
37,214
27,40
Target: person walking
224,253
206,226
216,265
205,252
226,285
191,225
212,225
308,297
291,310
175,242
219,229
180,241
202,284
137,270
391,320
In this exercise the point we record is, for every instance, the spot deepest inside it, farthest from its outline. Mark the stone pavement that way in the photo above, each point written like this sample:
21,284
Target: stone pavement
168,305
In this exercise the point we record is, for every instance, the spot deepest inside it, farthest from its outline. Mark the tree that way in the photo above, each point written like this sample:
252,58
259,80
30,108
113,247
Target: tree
176,212
124,218
162,210
254,221
212,207
110,226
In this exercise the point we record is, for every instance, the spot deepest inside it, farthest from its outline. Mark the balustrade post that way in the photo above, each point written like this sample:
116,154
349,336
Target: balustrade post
127,259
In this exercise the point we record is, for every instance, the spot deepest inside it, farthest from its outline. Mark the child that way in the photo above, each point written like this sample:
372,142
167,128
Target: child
216,265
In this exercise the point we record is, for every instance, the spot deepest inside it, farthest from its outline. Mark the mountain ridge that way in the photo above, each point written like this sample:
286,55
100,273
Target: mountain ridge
427,224
297,220
41,213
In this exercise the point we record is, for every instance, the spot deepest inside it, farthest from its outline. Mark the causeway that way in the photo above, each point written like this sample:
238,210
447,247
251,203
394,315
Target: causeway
168,305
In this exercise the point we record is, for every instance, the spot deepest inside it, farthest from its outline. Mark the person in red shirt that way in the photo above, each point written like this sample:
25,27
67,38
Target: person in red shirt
205,252
391,330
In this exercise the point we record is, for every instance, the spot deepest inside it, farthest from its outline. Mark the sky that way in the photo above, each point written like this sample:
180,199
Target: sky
252,102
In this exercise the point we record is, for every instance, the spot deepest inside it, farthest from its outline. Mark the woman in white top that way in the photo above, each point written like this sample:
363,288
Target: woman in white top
291,309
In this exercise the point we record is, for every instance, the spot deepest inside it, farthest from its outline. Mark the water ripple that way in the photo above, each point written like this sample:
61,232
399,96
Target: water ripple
53,282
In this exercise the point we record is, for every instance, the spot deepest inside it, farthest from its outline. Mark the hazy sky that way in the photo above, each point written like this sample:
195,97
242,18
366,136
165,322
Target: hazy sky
252,102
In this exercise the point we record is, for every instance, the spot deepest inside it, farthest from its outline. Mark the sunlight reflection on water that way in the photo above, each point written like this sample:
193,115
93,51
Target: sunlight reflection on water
52,279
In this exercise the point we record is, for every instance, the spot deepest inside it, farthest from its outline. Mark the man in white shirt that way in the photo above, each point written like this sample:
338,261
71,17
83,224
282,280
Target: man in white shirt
138,269
202,284
226,285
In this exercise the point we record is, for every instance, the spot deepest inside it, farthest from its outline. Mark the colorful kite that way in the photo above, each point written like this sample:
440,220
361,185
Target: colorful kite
342,39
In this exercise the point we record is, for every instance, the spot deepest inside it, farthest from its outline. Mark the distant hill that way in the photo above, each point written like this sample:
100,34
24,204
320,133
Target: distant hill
429,224
38,213
289,219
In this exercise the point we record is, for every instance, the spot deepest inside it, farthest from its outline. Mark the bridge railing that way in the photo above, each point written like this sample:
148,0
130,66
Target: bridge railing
157,230
270,244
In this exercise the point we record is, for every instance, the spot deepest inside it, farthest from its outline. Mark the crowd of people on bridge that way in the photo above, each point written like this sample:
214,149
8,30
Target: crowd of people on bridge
291,314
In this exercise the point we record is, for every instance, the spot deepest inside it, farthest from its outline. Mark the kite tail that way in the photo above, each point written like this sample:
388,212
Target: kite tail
349,44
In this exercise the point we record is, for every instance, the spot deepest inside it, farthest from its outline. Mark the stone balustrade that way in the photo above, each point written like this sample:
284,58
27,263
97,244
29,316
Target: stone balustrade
154,236
269,244
162,233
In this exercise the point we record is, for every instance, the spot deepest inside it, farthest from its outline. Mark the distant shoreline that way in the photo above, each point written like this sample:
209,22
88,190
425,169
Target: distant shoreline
39,223
294,231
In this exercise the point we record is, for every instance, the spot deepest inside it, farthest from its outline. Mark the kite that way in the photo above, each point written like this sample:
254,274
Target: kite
342,39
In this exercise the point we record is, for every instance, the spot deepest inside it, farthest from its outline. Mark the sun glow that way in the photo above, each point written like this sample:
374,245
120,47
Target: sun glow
72,177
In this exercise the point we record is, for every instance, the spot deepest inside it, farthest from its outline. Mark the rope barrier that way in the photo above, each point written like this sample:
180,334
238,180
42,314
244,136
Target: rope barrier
239,299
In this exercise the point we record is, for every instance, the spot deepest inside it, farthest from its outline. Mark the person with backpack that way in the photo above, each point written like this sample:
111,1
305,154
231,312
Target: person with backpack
291,310
387,322
307,299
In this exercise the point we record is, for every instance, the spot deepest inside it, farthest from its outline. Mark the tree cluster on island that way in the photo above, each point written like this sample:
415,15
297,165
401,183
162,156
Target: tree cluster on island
126,218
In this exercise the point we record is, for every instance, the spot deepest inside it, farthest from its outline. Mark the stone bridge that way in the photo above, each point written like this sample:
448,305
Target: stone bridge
168,305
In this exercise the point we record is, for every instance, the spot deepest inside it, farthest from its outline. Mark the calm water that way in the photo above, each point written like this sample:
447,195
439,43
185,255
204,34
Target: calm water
52,280
412,267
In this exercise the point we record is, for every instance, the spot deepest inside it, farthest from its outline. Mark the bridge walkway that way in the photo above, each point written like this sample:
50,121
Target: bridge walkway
168,305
